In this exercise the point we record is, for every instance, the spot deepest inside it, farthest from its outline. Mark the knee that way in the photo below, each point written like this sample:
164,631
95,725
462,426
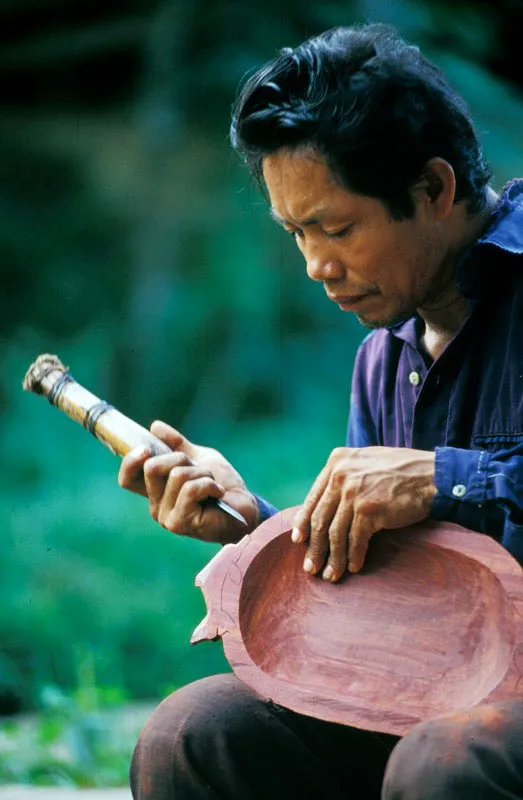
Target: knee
459,756
430,762
186,730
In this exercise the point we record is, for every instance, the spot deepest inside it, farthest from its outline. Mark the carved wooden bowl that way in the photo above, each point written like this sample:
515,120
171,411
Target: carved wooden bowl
432,624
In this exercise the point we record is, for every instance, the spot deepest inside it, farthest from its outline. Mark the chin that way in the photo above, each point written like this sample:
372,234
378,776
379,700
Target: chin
372,323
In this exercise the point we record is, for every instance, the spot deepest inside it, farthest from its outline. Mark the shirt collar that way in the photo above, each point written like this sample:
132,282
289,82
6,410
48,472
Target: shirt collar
504,231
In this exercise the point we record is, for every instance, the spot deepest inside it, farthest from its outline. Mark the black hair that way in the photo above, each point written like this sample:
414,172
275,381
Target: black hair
372,105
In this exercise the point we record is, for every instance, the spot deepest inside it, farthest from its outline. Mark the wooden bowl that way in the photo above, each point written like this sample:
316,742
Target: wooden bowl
432,624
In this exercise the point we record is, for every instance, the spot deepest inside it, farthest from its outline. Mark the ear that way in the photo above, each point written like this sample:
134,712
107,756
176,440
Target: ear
436,188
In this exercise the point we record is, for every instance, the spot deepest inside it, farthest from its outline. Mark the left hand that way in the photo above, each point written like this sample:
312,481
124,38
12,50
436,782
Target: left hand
362,490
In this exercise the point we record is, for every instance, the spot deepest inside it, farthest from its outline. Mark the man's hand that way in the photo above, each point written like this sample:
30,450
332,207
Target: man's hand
178,483
362,490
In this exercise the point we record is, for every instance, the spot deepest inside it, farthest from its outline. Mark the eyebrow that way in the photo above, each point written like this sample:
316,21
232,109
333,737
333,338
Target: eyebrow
303,223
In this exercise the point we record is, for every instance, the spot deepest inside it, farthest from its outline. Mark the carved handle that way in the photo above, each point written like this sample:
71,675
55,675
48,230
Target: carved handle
48,377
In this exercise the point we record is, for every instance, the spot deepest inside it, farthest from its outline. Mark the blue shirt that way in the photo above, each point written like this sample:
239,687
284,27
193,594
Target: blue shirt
467,405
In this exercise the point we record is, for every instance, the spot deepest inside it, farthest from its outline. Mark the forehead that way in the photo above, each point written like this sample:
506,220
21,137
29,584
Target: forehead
301,170
301,185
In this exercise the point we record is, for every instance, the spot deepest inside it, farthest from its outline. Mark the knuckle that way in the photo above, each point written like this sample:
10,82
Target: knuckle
179,473
349,491
150,468
159,465
318,544
194,488
168,519
338,477
337,539
318,524
171,525
321,513
155,510
367,506
122,479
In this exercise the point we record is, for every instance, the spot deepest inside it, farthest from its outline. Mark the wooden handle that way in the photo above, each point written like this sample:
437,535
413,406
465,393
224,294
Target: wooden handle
48,377
116,431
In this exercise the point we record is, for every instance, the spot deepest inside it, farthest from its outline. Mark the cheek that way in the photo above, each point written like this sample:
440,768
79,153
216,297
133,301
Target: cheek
382,262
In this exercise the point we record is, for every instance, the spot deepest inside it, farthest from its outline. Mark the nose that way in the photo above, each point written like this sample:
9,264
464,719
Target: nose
324,268
321,263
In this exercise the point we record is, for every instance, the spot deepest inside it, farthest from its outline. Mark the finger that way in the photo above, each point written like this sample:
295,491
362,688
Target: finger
172,437
360,535
189,515
319,532
156,472
130,474
338,543
178,477
301,525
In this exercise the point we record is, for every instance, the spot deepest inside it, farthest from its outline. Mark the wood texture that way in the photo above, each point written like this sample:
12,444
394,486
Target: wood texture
432,624
118,433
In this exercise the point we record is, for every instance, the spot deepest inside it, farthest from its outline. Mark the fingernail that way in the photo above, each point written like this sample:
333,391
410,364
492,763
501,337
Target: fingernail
296,535
352,567
221,488
308,566
328,573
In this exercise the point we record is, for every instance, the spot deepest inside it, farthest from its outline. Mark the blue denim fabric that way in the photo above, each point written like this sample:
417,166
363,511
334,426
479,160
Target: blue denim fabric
266,509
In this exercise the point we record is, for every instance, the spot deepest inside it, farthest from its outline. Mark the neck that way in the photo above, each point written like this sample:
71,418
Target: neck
446,310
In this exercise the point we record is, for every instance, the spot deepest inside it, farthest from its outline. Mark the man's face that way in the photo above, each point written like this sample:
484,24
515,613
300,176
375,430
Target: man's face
381,269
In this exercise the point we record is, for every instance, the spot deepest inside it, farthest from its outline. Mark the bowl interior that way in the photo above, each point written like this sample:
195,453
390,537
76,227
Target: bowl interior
422,627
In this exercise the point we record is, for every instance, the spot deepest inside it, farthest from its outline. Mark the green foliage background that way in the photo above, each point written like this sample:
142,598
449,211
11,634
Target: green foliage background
134,246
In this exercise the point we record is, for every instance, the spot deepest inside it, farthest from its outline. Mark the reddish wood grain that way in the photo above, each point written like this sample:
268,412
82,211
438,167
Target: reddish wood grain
433,624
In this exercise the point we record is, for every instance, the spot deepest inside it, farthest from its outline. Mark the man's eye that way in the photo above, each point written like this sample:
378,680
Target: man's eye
298,233
339,234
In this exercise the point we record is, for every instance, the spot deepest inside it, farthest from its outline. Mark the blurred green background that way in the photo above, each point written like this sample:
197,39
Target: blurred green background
134,246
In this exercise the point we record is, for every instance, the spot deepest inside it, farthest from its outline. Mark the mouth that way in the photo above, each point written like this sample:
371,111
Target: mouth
349,302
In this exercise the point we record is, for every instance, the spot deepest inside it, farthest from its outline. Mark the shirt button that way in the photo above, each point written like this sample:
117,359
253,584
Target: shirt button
459,490
414,378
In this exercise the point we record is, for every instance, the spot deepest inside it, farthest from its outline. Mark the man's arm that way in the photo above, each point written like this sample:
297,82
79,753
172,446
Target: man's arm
482,490
360,491
364,488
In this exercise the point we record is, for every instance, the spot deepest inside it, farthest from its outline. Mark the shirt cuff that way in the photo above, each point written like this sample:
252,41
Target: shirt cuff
460,477
266,509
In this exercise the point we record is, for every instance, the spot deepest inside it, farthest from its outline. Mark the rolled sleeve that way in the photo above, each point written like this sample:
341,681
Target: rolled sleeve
461,476
266,509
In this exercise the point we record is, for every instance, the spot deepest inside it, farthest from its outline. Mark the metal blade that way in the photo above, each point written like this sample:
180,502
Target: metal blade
231,511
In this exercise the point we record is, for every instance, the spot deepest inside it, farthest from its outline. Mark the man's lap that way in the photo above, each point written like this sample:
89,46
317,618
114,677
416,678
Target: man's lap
216,738
220,739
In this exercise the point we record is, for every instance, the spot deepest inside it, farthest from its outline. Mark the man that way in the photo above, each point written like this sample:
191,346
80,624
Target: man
371,162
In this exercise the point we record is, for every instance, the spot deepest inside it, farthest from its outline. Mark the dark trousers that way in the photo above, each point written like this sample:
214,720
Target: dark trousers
217,739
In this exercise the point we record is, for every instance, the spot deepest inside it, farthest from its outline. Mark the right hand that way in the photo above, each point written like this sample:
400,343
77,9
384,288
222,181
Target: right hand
178,483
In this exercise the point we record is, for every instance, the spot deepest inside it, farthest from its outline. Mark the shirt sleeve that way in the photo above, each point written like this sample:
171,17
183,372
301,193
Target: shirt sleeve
482,490
266,509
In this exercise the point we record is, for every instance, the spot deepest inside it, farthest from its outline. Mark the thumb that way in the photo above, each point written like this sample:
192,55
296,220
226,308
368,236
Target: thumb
173,438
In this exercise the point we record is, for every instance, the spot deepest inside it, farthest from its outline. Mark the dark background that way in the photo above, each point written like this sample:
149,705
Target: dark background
133,245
